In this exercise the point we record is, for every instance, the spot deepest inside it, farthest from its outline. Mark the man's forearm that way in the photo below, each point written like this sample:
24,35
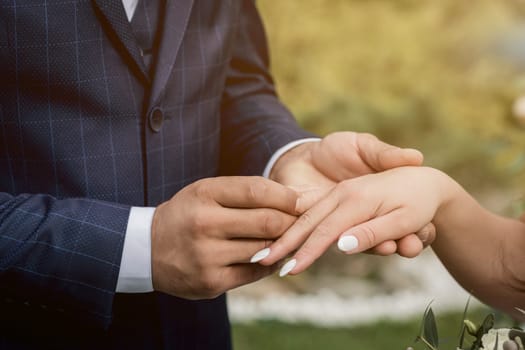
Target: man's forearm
63,254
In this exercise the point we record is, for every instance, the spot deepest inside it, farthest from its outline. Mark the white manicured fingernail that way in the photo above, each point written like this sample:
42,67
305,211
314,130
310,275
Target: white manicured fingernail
287,267
347,243
261,254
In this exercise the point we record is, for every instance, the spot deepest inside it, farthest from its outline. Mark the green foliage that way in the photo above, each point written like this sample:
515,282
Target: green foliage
428,334
418,73
487,324
466,323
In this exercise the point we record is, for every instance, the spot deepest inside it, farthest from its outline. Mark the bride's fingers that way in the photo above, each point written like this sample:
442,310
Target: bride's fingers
391,226
325,234
298,232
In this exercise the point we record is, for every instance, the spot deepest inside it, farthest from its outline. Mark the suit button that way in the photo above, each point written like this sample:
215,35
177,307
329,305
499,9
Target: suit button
156,119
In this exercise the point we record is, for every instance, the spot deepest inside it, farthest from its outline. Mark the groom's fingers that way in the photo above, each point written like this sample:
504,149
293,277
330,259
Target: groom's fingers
382,156
238,275
309,197
384,248
300,230
395,157
427,234
249,192
409,246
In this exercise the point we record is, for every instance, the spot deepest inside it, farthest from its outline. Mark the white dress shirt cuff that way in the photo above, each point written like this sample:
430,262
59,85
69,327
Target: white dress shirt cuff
283,150
135,266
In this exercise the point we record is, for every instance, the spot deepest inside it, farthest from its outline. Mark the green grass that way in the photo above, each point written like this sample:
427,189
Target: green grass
382,335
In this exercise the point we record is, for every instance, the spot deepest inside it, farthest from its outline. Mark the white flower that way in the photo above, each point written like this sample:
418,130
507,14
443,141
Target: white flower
503,335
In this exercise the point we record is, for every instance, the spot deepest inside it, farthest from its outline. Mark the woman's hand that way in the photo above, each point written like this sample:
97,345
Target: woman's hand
361,213
314,168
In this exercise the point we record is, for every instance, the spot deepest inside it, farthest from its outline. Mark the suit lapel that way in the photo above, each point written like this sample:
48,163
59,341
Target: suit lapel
175,23
114,14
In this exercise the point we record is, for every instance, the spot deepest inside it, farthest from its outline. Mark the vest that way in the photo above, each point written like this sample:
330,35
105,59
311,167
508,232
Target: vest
146,23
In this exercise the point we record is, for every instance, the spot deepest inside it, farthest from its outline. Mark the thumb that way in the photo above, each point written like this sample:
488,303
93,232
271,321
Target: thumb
382,156
394,157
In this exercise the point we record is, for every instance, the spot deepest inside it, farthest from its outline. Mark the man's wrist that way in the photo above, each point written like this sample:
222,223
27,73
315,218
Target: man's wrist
282,152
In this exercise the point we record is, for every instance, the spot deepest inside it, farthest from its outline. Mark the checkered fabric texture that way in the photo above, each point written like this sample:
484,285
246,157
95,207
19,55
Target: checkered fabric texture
81,141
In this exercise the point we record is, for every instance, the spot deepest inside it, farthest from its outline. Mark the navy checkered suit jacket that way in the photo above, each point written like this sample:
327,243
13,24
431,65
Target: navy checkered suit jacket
86,132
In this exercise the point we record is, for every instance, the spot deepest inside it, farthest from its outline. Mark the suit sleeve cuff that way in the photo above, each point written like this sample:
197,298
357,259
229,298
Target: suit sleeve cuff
135,267
283,150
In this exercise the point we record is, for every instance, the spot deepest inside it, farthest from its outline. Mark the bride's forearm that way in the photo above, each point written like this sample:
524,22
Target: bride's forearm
483,251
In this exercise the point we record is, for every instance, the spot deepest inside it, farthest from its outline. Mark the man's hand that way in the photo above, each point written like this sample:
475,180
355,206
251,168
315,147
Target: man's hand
314,168
338,156
203,238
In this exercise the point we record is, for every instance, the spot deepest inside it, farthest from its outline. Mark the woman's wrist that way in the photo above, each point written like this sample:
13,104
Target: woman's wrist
451,198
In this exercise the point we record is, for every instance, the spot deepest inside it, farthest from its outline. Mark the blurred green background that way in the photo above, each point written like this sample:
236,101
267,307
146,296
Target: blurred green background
383,335
441,76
